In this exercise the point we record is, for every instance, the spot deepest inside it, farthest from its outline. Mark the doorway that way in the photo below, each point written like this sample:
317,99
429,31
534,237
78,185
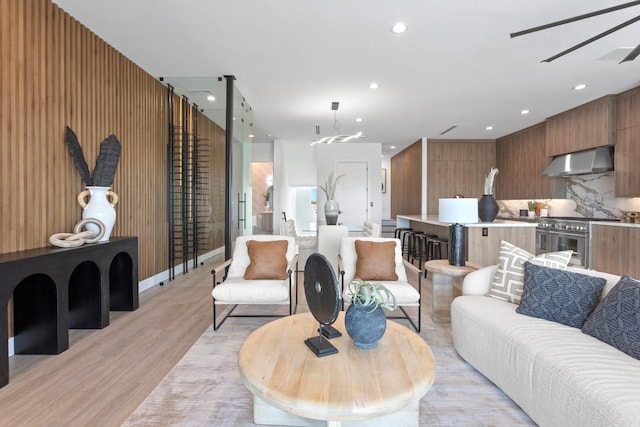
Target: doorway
262,197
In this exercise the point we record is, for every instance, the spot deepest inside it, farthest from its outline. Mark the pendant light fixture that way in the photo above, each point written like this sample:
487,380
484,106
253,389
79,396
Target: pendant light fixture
335,136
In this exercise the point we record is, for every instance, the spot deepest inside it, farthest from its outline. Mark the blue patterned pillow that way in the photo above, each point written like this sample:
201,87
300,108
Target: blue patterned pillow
616,320
559,295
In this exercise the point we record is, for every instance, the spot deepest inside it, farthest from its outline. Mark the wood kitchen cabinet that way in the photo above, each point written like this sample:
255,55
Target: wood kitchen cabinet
627,153
457,167
590,125
615,249
520,160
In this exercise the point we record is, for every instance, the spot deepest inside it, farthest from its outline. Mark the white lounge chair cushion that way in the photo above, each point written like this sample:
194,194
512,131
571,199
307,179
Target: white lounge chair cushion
405,293
241,291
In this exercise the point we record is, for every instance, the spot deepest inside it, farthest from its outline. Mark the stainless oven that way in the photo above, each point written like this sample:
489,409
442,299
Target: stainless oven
556,234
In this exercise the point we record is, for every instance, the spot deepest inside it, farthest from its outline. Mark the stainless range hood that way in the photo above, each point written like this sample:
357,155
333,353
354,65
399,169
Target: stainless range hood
594,160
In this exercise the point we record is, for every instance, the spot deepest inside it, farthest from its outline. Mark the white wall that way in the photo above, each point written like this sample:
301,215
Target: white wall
386,197
262,151
294,165
299,164
330,154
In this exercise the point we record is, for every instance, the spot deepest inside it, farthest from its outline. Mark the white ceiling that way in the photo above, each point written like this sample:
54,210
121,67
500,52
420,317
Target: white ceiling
456,65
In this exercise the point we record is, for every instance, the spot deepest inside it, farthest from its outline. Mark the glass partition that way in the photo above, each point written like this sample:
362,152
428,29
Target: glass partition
210,95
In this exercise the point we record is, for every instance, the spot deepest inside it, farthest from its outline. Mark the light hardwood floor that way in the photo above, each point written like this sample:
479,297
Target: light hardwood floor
105,374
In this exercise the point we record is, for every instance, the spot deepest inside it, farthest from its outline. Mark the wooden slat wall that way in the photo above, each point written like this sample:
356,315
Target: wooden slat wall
215,136
457,167
406,181
55,72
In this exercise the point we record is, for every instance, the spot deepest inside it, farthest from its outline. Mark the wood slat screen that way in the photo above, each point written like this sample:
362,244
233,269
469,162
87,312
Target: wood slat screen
55,72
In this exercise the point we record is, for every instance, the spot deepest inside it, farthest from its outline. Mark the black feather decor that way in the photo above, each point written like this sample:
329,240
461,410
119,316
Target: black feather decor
77,155
107,162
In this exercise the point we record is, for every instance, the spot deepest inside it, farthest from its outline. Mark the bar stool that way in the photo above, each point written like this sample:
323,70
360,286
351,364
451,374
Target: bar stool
420,243
412,240
434,248
401,234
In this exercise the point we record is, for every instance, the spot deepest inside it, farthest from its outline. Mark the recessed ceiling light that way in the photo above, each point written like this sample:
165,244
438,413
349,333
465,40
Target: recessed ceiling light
489,128
393,147
358,119
580,86
211,98
251,135
399,28
373,85
524,112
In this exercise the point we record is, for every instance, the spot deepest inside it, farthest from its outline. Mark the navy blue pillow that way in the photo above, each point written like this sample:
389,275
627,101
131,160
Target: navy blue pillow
616,320
559,295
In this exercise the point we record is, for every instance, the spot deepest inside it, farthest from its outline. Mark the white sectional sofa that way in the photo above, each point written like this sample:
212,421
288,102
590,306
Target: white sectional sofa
558,375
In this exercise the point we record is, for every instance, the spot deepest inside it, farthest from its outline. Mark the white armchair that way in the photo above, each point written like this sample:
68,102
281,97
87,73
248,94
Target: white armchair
329,237
257,273
373,261
306,244
371,229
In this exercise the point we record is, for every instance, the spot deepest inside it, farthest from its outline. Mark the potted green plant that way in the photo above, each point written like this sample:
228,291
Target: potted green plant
532,208
365,320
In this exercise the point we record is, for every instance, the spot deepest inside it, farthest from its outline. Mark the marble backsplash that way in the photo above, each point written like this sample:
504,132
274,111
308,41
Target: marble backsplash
589,196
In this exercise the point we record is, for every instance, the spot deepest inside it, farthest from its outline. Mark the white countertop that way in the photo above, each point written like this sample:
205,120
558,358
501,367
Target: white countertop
433,220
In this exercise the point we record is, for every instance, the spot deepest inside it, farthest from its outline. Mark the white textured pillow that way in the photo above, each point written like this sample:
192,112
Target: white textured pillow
508,282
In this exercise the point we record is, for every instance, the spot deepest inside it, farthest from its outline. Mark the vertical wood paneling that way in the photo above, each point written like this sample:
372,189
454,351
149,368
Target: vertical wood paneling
54,73
628,109
615,249
457,167
520,160
587,126
484,250
406,181
627,153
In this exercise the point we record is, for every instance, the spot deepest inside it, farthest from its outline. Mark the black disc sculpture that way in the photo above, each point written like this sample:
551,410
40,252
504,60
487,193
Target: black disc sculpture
323,298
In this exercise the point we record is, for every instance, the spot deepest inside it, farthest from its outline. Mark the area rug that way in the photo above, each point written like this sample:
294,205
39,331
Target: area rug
205,388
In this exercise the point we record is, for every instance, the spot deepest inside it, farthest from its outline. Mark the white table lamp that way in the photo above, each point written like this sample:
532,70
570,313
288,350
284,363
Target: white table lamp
457,212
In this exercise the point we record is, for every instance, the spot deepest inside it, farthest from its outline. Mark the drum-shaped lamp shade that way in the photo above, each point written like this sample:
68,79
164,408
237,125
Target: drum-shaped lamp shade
458,211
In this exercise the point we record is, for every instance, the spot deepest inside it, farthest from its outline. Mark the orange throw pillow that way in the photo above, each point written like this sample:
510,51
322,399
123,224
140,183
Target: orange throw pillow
268,260
376,260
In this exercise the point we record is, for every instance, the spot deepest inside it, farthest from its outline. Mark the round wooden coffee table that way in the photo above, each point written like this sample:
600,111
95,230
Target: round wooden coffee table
291,386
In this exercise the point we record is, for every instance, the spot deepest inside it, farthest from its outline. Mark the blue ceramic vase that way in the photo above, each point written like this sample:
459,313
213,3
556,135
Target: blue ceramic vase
365,327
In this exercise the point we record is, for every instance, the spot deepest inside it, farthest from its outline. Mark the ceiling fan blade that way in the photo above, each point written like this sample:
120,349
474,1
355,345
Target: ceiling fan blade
632,55
575,18
592,39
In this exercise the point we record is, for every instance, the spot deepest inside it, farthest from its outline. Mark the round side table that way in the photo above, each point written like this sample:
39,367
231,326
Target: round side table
446,285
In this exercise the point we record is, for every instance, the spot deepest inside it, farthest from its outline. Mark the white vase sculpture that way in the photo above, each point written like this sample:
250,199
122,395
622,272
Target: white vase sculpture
99,207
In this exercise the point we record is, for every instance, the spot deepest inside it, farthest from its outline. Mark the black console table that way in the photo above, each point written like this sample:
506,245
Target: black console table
55,289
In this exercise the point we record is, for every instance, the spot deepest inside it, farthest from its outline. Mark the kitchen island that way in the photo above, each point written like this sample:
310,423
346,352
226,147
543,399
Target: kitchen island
483,238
